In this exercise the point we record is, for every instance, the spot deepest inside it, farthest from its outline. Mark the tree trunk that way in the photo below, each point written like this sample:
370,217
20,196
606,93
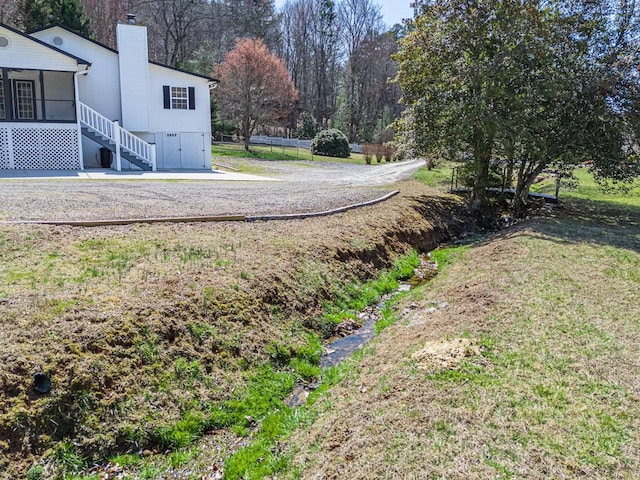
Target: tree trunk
521,196
520,200
483,146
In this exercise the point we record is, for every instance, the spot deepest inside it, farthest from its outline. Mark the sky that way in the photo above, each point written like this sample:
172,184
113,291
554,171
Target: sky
393,11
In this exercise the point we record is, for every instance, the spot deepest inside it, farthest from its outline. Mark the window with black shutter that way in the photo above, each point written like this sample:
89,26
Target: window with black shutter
179,98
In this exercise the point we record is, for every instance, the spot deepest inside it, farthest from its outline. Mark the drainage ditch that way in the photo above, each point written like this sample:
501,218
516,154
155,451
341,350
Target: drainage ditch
356,335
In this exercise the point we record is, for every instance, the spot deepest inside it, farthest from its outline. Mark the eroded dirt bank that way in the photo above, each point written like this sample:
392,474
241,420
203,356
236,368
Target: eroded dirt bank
137,325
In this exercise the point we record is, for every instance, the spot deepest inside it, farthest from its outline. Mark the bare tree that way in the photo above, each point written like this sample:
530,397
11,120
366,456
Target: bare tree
178,27
360,22
253,19
104,15
9,12
310,49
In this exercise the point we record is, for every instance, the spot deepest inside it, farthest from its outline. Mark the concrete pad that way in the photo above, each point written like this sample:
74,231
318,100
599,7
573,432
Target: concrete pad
105,174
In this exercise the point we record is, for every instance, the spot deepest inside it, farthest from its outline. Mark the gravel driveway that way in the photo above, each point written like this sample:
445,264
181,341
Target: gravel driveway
304,187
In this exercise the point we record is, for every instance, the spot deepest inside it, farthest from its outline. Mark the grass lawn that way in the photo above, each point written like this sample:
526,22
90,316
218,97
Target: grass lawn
587,189
179,338
277,153
545,384
438,177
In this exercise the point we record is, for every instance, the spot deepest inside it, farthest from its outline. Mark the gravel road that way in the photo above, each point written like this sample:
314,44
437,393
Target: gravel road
303,187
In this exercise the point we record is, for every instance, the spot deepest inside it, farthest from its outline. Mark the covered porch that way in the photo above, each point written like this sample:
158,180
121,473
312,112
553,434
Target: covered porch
38,120
38,104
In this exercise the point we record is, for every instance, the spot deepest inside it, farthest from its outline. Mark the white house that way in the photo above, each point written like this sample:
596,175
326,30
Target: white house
65,99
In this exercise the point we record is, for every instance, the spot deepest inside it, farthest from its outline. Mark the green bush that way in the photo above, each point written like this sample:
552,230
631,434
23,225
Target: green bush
332,143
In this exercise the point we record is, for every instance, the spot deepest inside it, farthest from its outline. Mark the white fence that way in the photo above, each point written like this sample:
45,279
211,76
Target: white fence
293,142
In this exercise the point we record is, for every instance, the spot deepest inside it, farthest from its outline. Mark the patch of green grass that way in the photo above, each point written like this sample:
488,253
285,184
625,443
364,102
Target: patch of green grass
259,459
146,345
127,459
404,266
447,255
58,307
182,433
387,318
188,371
438,177
588,189
202,331
278,153
67,458
36,472
355,297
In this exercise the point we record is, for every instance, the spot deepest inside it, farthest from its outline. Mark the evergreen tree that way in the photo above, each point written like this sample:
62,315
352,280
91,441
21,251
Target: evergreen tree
34,14
70,14
523,84
40,13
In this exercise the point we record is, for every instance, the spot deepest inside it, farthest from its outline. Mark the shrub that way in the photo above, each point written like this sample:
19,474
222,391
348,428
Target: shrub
332,143
379,149
389,153
367,151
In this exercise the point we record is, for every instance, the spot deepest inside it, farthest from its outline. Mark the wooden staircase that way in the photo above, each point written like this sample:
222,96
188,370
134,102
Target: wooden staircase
121,142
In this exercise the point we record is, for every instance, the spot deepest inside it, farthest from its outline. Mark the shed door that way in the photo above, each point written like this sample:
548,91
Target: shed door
171,150
192,150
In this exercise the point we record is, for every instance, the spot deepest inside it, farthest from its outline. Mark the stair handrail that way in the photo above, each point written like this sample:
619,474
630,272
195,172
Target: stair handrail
97,122
137,146
127,140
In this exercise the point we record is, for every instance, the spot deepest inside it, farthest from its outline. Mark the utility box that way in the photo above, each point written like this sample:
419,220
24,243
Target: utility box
106,156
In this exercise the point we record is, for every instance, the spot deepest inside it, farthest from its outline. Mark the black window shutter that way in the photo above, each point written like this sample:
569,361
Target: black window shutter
192,98
166,91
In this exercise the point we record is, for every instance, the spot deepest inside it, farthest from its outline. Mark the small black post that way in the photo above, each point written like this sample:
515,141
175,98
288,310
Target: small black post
453,172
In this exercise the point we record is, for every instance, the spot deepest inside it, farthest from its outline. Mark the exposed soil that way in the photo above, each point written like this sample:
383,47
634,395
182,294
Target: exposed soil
117,316
444,354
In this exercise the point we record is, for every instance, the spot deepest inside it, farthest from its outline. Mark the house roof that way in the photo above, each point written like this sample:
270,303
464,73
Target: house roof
95,42
44,44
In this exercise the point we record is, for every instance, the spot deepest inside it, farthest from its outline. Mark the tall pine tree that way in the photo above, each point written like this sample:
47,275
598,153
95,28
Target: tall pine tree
40,13
71,14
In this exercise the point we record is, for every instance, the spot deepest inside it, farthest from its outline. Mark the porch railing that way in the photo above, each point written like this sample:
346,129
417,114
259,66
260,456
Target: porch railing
118,135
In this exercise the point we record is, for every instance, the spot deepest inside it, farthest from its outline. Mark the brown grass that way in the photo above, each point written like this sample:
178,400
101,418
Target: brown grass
554,305
109,313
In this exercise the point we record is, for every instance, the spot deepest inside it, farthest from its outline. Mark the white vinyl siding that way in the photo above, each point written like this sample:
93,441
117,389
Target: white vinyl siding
100,88
39,57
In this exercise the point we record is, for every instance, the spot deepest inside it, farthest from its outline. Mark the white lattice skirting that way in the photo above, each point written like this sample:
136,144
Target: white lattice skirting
33,146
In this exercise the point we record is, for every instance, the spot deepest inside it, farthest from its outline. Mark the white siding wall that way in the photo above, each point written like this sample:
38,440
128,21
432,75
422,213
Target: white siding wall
134,76
100,88
162,120
183,138
24,53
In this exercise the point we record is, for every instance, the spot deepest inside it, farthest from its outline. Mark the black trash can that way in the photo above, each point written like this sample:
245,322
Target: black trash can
105,157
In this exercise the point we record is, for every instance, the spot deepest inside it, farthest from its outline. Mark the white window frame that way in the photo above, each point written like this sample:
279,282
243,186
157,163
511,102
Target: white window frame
179,98
21,102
